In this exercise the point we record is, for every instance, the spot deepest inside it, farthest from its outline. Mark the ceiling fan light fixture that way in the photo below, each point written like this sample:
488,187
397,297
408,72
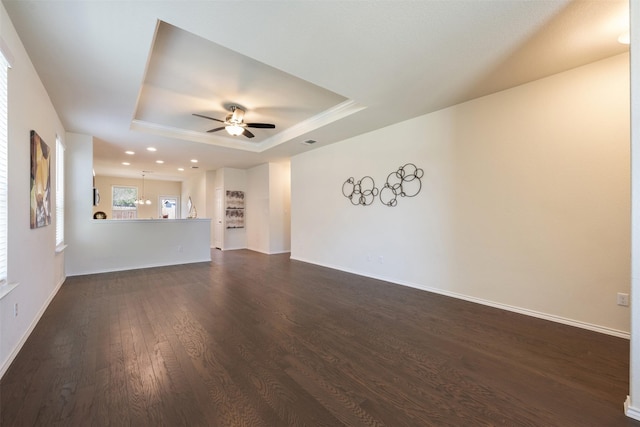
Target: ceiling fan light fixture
234,130
234,123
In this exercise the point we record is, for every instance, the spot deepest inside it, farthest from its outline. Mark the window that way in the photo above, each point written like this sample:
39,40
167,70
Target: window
123,204
59,192
4,179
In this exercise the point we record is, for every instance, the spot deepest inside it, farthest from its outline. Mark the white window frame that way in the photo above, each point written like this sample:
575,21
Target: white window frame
60,148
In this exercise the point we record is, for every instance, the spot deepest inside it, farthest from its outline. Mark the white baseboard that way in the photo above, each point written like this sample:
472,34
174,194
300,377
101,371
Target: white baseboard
267,252
139,267
6,363
630,411
520,310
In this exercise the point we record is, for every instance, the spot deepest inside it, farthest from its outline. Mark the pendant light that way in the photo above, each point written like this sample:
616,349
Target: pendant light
142,200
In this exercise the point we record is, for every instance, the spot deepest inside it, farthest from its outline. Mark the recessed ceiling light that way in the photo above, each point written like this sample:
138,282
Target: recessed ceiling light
160,161
194,160
126,163
151,149
129,152
181,169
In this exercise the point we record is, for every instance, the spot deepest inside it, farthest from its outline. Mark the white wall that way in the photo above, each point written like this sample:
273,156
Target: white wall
32,261
115,245
210,189
257,209
196,188
524,201
268,208
96,246
280,207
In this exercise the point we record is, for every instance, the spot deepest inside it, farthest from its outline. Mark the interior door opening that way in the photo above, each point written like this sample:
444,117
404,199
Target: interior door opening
169,207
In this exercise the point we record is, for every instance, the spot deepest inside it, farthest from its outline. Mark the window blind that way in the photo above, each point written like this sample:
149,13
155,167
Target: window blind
4,182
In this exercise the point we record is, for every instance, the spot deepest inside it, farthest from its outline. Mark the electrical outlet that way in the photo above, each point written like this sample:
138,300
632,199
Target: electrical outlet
623,299
15,310
381,259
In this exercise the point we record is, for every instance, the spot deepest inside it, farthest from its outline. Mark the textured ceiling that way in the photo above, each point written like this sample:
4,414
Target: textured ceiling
130,73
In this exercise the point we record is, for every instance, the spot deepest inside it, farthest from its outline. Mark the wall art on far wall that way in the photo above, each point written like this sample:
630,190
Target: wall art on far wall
234,213
40,182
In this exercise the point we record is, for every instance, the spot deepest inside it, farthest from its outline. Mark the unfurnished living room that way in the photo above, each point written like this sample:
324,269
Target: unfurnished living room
288,213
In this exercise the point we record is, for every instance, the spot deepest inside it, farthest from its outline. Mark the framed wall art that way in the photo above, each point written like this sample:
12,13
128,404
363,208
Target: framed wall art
234,213
40,182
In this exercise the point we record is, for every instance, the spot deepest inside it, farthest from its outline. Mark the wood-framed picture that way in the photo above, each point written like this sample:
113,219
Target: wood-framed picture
40,182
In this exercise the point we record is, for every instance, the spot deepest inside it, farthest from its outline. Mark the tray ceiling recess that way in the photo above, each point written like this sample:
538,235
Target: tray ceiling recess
187,75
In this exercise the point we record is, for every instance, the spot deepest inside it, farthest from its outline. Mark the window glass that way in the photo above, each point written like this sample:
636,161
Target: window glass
123,204
169,207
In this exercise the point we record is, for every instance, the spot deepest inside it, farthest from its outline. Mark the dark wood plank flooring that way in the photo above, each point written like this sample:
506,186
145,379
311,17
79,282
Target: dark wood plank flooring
257,340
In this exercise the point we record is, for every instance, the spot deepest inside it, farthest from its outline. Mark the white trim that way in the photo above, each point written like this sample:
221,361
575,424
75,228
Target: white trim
7,362
630,411
60,248
333,114
267,252
60,196
6,288
142,266
337,112
146,220
236,248
519,310
6,52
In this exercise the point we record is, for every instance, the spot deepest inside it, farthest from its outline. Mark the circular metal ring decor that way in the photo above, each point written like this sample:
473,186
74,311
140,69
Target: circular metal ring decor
404,182
362,192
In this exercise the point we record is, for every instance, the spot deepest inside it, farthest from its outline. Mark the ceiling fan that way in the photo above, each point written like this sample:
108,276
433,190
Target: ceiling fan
234,123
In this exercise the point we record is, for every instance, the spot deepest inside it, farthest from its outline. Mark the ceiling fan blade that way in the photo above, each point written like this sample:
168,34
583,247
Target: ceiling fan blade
216,129
261,125
247,133
207,117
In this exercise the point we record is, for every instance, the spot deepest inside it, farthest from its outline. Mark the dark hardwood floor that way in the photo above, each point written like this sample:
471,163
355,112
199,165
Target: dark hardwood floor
257,340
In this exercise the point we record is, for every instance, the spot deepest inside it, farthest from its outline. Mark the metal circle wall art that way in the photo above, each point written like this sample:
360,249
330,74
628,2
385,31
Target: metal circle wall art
404,182
363,192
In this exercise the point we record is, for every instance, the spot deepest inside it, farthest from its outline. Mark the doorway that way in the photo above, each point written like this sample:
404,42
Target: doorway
218,232
169,207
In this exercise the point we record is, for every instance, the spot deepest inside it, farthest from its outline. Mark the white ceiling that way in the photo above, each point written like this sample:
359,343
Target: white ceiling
131,73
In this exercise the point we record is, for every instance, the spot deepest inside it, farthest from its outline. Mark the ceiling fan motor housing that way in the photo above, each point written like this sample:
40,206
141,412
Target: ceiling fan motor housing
237,115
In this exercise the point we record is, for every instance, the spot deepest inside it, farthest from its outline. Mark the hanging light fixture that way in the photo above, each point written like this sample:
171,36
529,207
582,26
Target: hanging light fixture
141,200
234,121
